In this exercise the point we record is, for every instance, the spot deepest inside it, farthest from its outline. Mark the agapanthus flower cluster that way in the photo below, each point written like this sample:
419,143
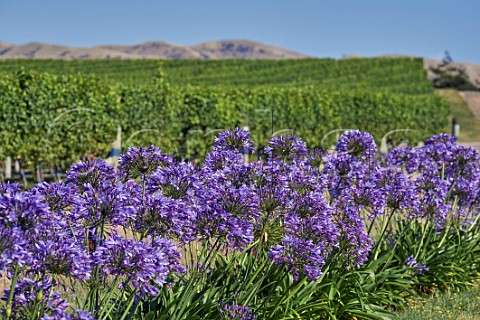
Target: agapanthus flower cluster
146,264
228,212
237,140
405,157
286,148
110,202
166,217
176,181
35,299
360,145
14,249
90,173
235,312
310,236
58,195
308,209
420,267
62,255
142,162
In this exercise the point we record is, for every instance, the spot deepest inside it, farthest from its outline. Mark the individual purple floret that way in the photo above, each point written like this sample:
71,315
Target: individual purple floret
410,261
142,162
421,268
144,265
37,298
286,148
359,144
235,312
237,140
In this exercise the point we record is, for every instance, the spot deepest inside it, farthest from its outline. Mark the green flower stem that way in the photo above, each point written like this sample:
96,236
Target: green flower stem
384,229
8,306
424,234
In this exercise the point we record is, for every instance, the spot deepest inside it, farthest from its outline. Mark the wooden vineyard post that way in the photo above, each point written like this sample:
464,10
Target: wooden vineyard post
8,168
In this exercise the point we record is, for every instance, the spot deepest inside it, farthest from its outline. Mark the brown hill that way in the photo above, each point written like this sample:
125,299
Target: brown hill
227,49
156,50
243,49
36,50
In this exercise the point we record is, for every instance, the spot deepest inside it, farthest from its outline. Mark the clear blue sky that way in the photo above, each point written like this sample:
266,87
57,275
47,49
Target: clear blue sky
321,28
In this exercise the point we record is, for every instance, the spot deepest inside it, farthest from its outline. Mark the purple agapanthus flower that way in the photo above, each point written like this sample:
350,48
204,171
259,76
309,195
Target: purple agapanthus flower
37,298
14,249
62,255
404,156
58,195
412,262
92,173
234,311
237,140
142,162
229,212
114,203
286,148
310,236
167,217
30,213
360,145
177,180
11,188
144,264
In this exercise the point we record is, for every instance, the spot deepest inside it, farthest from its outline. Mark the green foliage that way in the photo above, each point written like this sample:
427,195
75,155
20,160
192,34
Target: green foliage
251,279
64,118
397,75
49,117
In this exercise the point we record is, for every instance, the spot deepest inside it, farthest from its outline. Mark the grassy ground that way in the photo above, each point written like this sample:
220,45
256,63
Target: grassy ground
469,125
463,305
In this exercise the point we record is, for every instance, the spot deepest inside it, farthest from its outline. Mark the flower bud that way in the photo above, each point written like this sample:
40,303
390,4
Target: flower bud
39,296
8,312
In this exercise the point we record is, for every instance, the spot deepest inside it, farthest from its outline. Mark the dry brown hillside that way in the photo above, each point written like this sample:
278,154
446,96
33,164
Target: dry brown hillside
242,49
225,49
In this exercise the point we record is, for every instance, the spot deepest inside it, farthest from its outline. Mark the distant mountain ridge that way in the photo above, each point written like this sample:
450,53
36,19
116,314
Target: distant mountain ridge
223,49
